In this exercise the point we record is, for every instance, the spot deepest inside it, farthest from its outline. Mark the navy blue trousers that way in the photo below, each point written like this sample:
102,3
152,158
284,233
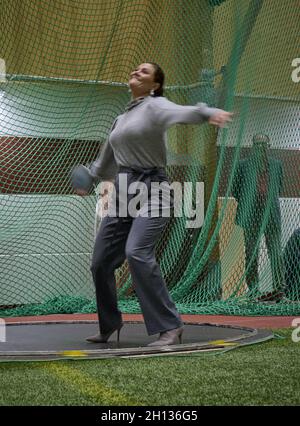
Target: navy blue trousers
134,239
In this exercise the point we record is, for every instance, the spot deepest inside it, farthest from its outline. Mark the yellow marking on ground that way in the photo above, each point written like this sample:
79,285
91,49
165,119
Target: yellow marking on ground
73,353
89,386
222,343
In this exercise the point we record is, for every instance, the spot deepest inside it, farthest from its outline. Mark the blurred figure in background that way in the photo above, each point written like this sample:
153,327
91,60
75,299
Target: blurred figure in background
256,188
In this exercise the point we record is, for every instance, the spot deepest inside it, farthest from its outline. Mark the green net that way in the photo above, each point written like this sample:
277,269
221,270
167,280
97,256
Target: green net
64,67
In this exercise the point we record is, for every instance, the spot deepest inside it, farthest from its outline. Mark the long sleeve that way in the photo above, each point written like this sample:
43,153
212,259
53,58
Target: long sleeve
168,113
105,166
138,136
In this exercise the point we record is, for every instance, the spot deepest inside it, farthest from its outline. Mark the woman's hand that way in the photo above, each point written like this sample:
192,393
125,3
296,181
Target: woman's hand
221,118
81,192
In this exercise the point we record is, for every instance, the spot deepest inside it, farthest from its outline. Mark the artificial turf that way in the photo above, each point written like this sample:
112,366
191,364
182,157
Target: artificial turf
261,374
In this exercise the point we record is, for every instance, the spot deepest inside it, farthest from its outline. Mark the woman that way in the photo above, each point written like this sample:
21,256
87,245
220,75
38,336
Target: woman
136,149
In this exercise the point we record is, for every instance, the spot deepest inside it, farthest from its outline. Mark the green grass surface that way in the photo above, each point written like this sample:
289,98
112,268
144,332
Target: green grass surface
261,374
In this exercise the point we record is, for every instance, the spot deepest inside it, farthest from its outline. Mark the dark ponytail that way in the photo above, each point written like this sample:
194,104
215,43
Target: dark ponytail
159,77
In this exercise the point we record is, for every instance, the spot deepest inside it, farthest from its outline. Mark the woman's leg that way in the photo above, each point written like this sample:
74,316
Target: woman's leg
109,254
160,313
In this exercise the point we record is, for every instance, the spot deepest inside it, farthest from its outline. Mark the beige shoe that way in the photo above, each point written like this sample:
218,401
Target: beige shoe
169,337
103,338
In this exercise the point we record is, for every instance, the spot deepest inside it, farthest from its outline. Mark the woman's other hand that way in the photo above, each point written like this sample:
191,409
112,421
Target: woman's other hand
81,192
221,118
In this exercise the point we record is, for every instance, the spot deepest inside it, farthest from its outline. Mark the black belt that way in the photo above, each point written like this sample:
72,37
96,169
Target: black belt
142,172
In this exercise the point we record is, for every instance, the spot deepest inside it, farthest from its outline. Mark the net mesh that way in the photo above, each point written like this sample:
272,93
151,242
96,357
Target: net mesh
63,79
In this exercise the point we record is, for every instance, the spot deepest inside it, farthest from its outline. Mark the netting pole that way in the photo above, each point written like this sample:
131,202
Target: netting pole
210,146
240,44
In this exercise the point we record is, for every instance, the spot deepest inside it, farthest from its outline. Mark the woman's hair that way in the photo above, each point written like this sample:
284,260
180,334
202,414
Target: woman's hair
159,77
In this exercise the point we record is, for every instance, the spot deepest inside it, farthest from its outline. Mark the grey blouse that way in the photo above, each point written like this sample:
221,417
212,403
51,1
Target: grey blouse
138,136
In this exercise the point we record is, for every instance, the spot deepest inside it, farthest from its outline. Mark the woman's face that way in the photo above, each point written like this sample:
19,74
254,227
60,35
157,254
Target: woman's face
141,80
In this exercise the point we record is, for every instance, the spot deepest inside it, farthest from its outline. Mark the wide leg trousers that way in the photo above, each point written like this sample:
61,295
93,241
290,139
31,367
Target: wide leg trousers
134,239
